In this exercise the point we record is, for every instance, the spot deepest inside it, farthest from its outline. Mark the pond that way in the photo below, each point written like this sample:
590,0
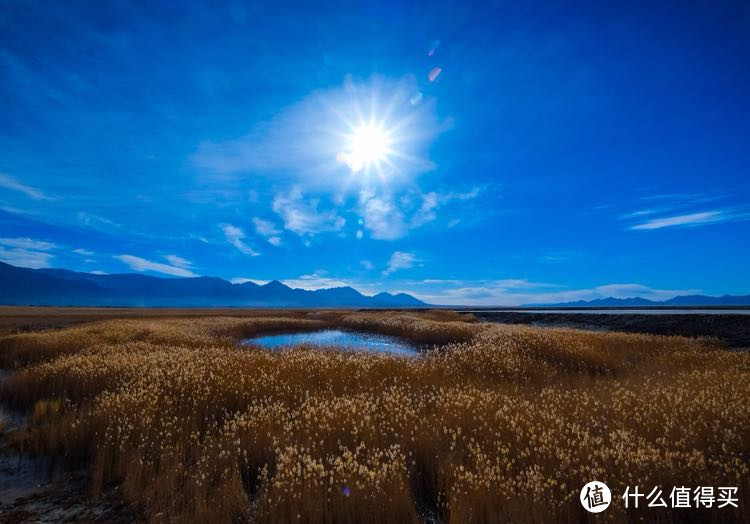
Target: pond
335,338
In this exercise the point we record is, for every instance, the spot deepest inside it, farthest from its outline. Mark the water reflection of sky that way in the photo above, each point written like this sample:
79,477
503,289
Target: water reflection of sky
345,340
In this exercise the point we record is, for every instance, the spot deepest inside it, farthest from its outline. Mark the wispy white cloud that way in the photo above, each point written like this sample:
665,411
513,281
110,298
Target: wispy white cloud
320,280
366,264
286,142
267,229
478,292
556,257
639,290
178,261
514,292
692,219
666,210
142,264
242,280
400,260
520,283
83,252
495,284
433,200
8,182
427,212
306,137
315,281
319,196
25,258
27,243
381,216
235,236
26,252
683,199
96,221
641,213
302,215
388,218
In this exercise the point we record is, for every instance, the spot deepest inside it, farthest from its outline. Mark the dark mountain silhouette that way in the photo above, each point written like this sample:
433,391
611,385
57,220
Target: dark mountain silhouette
60,287
701,300
684,300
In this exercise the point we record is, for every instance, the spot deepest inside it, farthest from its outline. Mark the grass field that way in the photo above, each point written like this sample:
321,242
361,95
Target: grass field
493,423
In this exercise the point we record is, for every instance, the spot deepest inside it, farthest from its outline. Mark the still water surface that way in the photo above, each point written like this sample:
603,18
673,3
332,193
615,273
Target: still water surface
345,340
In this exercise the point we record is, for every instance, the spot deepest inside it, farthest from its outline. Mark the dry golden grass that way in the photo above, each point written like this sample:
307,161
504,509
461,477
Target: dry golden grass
497,423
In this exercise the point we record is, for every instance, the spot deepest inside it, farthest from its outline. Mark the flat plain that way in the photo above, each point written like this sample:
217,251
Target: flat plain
492,423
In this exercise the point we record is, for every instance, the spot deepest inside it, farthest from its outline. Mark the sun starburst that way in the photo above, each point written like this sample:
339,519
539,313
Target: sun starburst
369,145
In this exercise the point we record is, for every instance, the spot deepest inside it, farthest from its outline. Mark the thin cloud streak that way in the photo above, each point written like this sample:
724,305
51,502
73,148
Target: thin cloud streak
8,182
142,264
25,258
316,281
692,219
26,252
243,280
178,261
27,243
319,280
484,294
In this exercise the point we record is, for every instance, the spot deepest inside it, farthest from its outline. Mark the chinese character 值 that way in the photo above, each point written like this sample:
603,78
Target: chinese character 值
595,497
680,497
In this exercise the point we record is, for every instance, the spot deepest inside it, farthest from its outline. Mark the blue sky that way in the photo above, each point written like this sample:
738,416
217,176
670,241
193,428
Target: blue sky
526,152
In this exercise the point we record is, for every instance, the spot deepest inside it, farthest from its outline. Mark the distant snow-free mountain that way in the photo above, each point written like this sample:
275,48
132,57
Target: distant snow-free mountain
684,300
60,287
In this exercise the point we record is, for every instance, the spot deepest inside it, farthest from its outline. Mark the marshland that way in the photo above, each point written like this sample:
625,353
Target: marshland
490,423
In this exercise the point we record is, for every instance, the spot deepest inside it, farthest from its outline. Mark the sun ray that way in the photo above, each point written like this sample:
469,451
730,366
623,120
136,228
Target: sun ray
376,133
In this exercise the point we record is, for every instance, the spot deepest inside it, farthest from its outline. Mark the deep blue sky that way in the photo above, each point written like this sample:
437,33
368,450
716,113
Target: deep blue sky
561,152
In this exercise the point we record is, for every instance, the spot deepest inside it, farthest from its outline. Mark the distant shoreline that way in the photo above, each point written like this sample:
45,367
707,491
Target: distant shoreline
729,324
655,307
731,328
594,308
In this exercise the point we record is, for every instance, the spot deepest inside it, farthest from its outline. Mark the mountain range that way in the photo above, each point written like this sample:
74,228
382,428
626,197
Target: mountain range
60,287
684,300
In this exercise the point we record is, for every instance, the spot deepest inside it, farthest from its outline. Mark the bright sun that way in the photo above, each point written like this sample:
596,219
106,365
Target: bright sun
368,145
